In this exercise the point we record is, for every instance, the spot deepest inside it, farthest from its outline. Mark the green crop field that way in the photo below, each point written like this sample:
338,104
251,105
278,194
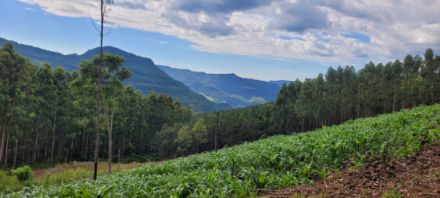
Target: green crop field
272,163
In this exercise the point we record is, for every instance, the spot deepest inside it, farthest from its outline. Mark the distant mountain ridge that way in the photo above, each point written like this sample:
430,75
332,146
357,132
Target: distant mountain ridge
227,88
147,77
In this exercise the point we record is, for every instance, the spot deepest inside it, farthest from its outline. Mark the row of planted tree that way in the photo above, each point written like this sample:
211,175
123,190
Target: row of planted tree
339,95
47,114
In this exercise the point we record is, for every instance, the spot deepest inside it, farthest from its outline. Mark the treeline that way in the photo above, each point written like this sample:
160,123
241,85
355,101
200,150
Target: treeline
47,114
340,95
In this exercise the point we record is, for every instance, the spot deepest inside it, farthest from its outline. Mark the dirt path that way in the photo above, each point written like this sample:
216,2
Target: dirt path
417,176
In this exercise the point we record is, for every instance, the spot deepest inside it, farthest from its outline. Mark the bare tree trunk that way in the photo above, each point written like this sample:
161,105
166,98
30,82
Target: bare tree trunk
6,151
66,157
303,123
119,158
98,87
14,164
3,142
23,154
72,144
70,150
35,148
53,138
216,131
83,141
29,153
87,147
123,143
109,131
45,146
394,103
286,117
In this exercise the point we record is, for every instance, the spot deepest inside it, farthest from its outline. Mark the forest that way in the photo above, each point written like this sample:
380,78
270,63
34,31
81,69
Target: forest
47,114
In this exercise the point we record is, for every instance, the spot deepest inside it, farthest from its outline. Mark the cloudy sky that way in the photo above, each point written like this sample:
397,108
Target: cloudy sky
263,39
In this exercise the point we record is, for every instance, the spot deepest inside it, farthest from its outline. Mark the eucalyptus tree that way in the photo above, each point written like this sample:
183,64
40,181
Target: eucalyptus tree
102,14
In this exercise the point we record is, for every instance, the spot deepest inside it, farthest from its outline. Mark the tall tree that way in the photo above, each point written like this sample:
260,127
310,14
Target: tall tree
103,6
112,76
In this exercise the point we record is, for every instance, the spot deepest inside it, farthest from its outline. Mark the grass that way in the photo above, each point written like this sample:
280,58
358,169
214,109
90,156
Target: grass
69,172
59,174
65,176
273,163
393,193
76,170
9,183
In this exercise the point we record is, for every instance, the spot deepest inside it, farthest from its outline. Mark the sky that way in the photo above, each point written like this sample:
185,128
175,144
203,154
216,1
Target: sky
261,39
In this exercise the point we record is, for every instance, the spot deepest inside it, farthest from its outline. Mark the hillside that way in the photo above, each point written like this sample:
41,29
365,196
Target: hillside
280,82
147,77
227,88
272,163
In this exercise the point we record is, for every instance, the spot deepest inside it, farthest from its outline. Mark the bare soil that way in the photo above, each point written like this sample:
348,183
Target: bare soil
416,176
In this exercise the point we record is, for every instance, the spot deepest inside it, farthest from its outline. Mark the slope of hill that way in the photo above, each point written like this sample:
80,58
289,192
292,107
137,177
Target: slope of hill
226,88
147,77
272,163
280,82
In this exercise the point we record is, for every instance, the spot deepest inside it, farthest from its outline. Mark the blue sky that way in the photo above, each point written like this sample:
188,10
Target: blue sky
300,39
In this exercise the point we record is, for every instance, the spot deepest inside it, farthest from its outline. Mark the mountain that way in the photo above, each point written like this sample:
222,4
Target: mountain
226,88
147,77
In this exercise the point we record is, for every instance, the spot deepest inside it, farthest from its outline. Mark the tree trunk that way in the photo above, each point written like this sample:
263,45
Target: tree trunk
119,158
3,142
109,131
83,137
87,147
123,143
216,131
5,162
71,151
14,164
45,146
342,111
53,138
287,119
303,123
98,87
394,103
35,149
23,154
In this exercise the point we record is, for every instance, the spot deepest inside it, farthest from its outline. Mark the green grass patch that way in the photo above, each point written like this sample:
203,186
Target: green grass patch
64,177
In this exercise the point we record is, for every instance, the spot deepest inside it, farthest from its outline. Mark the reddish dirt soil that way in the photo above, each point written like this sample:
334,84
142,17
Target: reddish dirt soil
417,176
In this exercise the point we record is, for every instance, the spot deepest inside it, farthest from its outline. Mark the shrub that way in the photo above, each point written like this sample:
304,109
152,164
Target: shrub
23,173
8,183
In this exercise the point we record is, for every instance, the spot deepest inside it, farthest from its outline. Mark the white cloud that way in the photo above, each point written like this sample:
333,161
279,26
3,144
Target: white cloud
285,29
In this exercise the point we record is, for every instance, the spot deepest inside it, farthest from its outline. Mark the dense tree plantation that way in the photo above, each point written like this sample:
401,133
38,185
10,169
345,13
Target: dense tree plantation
47,114
339,95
